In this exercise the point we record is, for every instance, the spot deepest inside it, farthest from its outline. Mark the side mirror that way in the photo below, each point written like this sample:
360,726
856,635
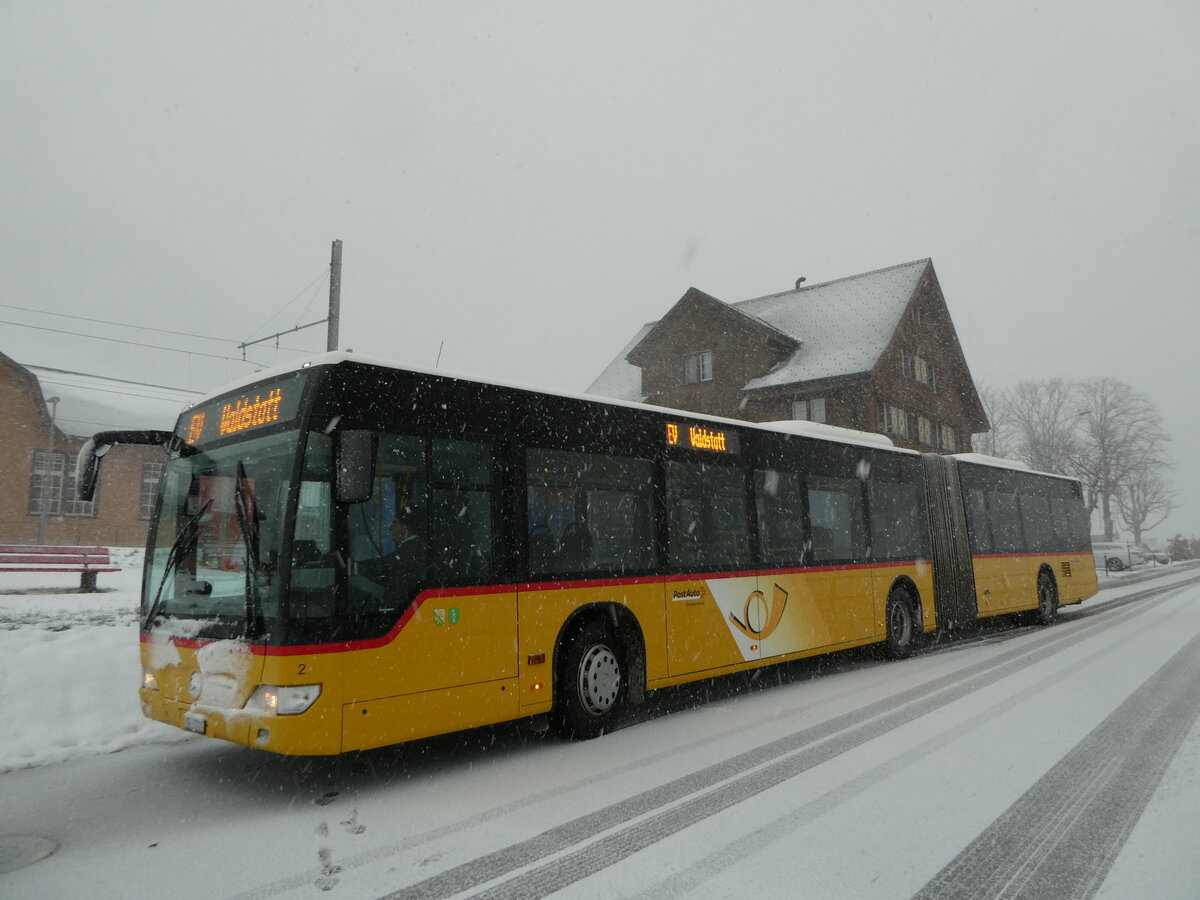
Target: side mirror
354,466
87,468
87,463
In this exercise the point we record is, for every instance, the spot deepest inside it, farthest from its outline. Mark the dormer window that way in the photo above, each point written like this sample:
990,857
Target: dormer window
698,367
809,410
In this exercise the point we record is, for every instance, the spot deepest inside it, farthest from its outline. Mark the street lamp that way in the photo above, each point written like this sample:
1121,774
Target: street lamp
46,482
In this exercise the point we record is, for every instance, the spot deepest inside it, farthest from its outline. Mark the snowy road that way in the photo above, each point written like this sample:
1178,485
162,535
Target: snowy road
1060,762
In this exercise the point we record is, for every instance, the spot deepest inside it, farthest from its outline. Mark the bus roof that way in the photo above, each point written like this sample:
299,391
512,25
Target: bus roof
998,462
816,430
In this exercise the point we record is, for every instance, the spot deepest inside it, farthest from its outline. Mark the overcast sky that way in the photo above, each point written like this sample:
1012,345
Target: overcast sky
531,182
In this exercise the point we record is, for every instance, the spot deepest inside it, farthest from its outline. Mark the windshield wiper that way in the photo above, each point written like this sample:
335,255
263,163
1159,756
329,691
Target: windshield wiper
185,542
246,508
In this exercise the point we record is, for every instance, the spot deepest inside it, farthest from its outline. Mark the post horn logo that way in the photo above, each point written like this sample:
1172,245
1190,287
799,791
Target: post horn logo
761,618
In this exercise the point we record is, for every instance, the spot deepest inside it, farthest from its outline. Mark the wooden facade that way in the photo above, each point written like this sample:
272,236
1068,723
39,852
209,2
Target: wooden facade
876,352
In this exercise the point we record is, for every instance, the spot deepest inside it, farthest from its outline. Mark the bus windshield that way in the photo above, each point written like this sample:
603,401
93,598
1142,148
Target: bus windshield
216,546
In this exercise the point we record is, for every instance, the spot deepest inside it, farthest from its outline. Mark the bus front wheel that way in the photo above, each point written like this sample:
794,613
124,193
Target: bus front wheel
901,625
589,682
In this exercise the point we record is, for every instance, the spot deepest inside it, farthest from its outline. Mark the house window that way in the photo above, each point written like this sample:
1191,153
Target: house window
897,421
698,367
946,439
921,369
918,367
914,314
809,410
52,490
151,475
924,431
45,486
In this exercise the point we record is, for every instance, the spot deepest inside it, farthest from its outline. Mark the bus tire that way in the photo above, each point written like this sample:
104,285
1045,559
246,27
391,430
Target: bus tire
901,625
1047,591
590,682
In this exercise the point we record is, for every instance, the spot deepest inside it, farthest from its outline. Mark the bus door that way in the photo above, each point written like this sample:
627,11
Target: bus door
713,605
839,581
422,561
997,550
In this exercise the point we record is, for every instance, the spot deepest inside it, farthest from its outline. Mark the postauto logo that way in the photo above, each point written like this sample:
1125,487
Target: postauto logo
761,616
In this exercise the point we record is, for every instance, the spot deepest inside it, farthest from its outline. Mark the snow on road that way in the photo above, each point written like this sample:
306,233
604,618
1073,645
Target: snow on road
1043,762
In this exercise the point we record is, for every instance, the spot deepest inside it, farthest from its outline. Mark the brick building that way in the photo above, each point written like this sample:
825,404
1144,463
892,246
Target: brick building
874,352
45,417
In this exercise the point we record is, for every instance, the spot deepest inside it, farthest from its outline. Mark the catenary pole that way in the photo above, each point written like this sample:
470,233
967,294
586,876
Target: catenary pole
335,295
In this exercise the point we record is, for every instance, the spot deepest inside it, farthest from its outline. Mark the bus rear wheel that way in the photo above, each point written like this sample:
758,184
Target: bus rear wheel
589,682
901,625
1047,609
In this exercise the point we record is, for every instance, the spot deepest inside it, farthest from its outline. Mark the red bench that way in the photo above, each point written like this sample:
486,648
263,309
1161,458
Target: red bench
87,561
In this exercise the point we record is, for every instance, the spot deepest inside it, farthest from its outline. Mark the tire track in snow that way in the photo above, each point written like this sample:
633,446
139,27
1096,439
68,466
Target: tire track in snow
685,884
561,855
1060,839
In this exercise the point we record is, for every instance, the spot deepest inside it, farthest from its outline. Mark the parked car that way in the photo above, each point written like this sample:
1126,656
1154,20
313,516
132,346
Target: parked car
1114,556
1157,556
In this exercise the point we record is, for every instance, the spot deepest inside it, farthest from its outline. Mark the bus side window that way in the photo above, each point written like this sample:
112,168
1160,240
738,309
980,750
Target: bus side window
375,583
836,509
1005,512
779,503
462,510
588,512
1037,524
898,529
707,516
978,522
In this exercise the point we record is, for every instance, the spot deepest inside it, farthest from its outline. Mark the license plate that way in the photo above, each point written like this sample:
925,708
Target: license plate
194,722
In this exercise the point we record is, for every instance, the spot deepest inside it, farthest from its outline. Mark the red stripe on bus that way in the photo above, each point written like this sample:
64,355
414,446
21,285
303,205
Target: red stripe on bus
528,587
1029,555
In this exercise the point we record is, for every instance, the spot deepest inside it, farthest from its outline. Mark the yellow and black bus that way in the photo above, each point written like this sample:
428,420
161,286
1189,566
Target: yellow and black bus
348,554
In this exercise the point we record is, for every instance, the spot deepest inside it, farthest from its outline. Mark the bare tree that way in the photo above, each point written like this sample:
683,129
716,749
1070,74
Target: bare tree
1043,417
996,406
1120,431
1148,496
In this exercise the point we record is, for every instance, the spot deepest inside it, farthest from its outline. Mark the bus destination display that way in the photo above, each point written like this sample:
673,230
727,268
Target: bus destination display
235,414
699,438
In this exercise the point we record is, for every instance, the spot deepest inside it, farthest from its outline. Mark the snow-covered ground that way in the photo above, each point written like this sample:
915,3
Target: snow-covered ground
870,780
69,667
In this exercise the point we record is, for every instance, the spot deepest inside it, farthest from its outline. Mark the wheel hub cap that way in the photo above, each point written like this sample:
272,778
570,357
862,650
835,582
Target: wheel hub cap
599,679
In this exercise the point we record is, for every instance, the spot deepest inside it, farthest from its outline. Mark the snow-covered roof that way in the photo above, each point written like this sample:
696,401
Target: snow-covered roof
834,433
842,328
844,325
999,462
91,403
622,379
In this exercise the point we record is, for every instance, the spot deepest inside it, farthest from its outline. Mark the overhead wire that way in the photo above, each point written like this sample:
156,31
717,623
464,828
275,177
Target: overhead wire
324,274
97,337
103,390
313,285
189,334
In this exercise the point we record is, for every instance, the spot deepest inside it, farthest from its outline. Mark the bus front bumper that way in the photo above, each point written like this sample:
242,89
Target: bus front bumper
317,732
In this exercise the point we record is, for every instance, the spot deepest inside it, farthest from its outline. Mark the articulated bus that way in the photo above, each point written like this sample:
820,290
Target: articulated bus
347,554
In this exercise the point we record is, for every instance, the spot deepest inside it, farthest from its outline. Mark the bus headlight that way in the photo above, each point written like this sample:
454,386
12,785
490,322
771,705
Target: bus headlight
149,681
287,700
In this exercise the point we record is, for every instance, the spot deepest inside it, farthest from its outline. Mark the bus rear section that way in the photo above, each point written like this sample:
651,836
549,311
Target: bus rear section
1007,539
